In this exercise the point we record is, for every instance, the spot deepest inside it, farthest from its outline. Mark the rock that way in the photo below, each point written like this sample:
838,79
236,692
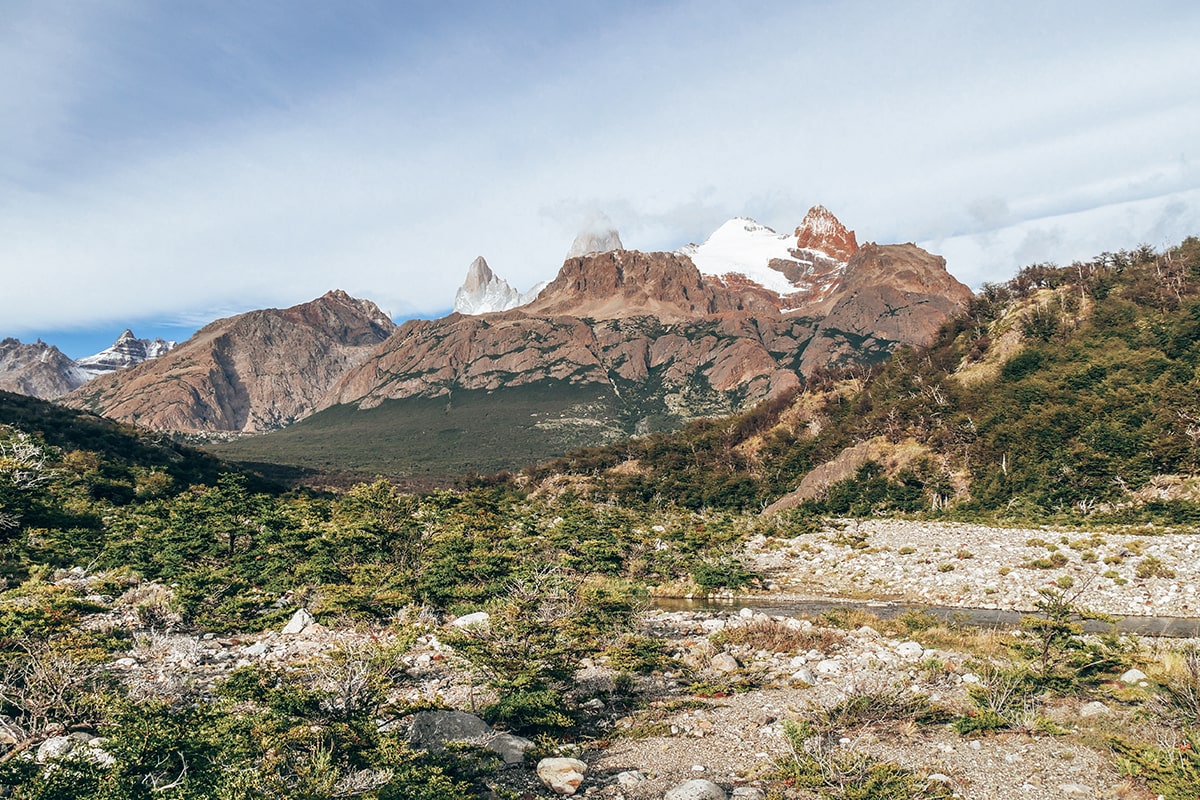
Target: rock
698,789
299,621
255,650
478,619
793,624
432,729
1133,676
561,775
1075,790
56,747
723,662
630,778
909,650
938,777
829,666
1093,709
804,674
511,748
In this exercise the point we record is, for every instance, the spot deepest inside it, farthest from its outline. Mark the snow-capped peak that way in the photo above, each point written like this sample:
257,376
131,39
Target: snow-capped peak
483,291
127,351
805,265
744,247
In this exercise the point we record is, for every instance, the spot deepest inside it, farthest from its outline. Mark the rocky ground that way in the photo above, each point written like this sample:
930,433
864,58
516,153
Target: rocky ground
973,566
716,709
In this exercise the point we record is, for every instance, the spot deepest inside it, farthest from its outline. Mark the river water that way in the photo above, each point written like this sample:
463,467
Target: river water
1182,627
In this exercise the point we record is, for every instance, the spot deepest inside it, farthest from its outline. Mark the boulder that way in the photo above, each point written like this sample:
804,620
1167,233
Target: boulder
723,662
478,619
698,789
1133,676
561,775
431,730
299,621
510,748
909,650
1093,709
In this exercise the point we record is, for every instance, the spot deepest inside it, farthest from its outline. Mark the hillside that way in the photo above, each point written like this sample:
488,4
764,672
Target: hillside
1067,389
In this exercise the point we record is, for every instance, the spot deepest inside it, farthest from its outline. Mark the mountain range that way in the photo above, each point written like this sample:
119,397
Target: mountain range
42,370
620,342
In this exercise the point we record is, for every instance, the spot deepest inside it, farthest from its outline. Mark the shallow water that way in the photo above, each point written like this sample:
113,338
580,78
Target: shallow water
1181,627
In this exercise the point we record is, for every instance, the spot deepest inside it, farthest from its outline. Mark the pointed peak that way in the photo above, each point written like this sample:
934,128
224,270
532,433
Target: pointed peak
128,334
479,270
823,232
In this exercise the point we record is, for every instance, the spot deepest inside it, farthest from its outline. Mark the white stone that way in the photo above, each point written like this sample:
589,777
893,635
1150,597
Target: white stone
791,623
970,677
723,662
299,621
910,650
630,778
1133,676
829,666
1094,709
804,675
561,775
55,747
479,619
1075,790
698,789
746,613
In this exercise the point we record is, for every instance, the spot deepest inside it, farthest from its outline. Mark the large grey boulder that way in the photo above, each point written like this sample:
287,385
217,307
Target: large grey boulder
509,747
432,729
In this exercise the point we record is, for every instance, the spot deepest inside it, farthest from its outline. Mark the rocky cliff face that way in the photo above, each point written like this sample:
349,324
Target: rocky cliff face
822,232
253,372
126,352
889,294
38,370
636,322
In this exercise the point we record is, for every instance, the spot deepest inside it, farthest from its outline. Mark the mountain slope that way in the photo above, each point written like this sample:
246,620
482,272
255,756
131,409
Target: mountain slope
38,370
253,372
1068,391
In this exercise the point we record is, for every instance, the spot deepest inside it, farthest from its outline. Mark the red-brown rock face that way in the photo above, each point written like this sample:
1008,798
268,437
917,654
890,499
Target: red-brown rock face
626,317
252,372
820,230
892,293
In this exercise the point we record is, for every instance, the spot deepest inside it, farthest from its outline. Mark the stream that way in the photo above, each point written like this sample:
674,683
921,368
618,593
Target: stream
1177,627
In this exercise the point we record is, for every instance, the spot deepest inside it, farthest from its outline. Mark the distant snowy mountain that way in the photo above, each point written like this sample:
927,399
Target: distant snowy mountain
483,291
800,268
41,370
127,351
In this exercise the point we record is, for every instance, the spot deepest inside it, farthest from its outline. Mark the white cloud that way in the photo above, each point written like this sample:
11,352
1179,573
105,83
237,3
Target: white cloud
1000,135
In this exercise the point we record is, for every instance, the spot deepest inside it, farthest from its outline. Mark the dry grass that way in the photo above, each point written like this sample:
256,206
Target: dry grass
775,636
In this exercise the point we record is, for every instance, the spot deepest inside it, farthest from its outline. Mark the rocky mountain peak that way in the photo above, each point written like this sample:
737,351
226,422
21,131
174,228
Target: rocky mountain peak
821,231
38,370
127,351
252,372
485,292
595,241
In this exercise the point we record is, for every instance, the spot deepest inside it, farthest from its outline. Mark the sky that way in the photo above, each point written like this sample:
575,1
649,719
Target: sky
165,164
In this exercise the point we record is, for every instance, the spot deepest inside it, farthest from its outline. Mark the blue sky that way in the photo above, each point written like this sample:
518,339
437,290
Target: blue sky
163,164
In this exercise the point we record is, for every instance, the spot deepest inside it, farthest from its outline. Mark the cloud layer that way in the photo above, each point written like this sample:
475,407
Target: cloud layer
168,165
